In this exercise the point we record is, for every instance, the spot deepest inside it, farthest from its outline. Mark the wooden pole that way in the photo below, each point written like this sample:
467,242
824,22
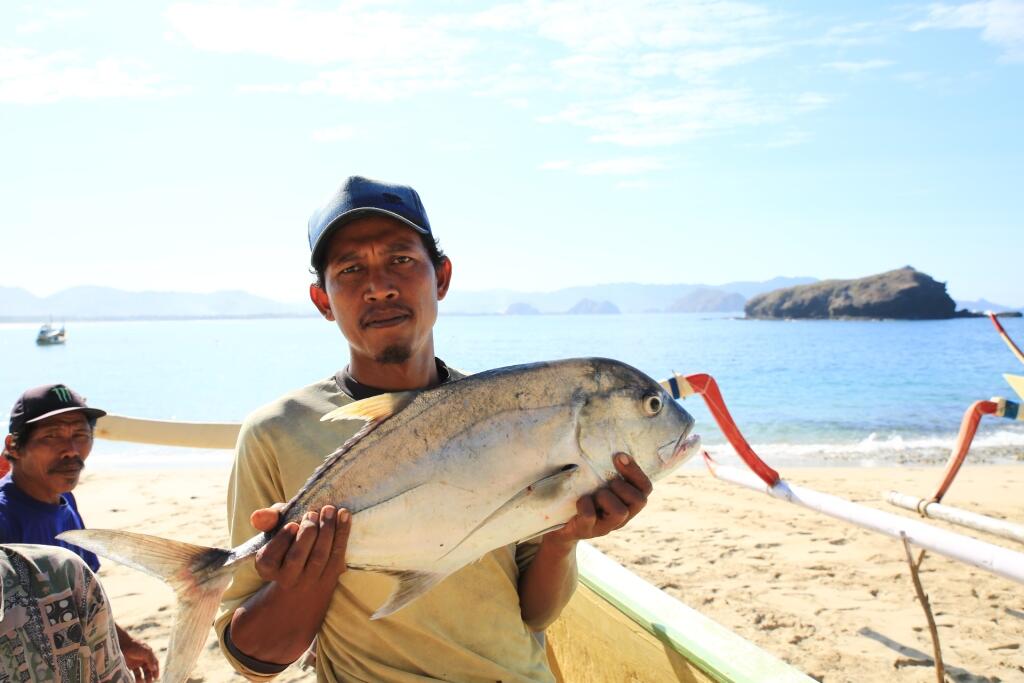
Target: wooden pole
940,669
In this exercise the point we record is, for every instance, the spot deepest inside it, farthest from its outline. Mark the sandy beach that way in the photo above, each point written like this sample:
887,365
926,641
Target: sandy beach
833,600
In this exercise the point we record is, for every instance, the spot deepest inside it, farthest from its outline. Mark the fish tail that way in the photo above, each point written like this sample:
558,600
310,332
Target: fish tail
197,574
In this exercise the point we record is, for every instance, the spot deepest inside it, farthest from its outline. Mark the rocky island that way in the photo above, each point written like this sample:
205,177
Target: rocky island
591,307
521,309
902,294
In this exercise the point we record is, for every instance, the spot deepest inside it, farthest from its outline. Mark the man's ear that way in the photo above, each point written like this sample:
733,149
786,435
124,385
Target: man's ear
444,278
10,446
320,299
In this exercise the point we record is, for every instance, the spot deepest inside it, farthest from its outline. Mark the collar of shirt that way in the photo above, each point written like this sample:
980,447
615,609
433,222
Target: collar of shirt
358,391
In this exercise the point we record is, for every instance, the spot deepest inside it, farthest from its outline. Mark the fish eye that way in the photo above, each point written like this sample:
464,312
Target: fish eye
652,404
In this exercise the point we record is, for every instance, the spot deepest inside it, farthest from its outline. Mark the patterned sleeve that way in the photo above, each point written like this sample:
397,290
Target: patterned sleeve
100,638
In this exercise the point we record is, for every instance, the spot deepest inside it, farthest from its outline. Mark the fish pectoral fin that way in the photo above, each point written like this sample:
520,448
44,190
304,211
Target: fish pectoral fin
537,493
411,585
371,409
550,485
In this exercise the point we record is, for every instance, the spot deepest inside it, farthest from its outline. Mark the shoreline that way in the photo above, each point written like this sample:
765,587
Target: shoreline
832,599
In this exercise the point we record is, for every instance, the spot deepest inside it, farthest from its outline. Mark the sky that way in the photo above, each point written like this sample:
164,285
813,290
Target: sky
182,146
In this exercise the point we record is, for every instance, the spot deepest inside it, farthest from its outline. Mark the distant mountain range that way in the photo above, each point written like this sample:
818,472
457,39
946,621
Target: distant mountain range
104,303
982,305
628,297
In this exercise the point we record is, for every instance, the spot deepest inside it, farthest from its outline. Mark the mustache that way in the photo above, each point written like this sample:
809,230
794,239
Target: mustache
69,465
385,311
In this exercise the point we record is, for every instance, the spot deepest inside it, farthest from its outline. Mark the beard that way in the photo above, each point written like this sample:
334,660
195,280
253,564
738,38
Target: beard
394,354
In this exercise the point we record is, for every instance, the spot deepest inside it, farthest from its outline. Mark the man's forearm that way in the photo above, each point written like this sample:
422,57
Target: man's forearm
547,584
123,637
276,625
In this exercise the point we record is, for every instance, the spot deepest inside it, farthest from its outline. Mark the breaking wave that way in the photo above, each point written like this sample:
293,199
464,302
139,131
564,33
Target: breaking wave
995,447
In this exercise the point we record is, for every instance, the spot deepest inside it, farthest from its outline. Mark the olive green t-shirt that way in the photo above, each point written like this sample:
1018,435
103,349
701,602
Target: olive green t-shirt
466,628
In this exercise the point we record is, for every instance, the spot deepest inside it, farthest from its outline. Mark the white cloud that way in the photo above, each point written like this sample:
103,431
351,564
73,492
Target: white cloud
859,67
647,72
1001,23
348,34
29,77
623,166
653,119
809,101
46,19
628,166
790,138
612,26
363,53
333,134
852,35
632,185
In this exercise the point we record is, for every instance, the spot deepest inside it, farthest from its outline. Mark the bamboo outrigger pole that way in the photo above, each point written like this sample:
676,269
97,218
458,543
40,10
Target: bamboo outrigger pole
999,407
993,558
971,520
1014,349
996,559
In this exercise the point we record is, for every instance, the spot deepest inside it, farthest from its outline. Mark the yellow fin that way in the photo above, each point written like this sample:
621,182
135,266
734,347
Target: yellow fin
370,409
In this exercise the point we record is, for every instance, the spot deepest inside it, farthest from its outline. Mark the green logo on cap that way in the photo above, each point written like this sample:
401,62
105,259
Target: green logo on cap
63,394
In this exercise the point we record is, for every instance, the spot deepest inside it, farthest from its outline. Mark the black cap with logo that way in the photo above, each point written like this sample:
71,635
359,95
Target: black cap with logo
46,401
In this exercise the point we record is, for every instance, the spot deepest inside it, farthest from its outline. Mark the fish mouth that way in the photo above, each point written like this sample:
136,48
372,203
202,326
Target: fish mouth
385,317
676,453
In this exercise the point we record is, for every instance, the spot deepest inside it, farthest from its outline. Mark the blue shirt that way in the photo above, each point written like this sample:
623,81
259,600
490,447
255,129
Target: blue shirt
23,519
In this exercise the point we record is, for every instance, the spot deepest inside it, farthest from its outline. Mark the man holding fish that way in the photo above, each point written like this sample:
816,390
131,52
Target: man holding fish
380,275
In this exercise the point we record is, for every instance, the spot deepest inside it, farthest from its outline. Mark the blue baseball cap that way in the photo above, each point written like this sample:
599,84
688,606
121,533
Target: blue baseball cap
358,197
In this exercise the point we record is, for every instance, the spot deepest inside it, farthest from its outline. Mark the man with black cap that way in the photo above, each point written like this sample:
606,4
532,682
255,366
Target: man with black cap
49,438
379,277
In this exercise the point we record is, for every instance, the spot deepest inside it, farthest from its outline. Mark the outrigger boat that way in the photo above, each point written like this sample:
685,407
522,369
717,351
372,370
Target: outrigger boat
50,335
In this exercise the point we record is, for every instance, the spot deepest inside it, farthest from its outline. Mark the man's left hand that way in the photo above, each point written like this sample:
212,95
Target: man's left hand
140,660
608,508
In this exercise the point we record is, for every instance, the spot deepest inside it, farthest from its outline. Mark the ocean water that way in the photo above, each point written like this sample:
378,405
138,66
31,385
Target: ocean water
802,392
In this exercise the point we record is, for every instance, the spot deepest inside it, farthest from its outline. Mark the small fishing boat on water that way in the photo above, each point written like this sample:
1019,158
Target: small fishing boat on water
49,335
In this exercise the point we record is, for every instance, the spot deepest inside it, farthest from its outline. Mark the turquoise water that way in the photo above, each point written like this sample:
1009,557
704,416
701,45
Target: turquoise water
803,392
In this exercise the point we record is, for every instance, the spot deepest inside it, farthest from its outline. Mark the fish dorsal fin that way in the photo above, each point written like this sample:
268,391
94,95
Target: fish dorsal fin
372,409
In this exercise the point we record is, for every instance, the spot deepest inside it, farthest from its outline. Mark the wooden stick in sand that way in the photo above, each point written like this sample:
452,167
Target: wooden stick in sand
940,669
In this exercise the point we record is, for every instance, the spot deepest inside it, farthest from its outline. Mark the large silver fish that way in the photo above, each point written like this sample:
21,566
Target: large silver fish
436,479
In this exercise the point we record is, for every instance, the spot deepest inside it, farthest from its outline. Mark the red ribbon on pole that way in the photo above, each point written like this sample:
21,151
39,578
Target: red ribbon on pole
706,386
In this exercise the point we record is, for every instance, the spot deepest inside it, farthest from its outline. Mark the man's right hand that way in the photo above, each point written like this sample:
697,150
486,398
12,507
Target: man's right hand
310,551
301,565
